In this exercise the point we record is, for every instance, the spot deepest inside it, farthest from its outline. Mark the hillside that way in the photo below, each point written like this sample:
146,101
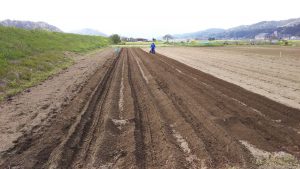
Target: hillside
88,31
291,30
204,34
285,28
30,25
29,56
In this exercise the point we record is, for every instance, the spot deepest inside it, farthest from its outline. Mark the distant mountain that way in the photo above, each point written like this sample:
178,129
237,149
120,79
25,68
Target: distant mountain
203,34
30,25
290,30
290,27
88,31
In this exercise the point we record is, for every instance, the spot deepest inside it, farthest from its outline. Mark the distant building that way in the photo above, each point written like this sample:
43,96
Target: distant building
295,38
128,39
132,40
125,39
271,36
285,37
180,40
275,34
141,40
263,36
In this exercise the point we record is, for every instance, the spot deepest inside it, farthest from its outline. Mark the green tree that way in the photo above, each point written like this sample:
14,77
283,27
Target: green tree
115,38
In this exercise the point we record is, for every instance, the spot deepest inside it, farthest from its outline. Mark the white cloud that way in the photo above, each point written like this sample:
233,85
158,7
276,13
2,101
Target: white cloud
152,18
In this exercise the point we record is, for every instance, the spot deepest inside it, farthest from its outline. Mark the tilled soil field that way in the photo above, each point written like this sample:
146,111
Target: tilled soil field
149,111
273,72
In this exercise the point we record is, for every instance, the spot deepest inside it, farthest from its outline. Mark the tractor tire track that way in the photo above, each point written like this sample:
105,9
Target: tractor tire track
65,152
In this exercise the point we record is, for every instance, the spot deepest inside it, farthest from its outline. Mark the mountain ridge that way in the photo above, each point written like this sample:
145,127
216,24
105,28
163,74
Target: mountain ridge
29,25
285,28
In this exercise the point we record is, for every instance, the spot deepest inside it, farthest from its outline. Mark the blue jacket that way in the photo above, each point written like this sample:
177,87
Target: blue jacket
152,46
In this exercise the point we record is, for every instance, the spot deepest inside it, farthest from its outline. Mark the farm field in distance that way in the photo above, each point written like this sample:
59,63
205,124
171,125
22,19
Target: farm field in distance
271,71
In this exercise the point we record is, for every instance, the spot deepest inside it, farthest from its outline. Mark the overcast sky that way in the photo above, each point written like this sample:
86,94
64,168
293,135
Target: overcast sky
148,18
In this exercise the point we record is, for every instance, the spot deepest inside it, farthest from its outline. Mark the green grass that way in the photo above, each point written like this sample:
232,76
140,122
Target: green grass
295,42
30,56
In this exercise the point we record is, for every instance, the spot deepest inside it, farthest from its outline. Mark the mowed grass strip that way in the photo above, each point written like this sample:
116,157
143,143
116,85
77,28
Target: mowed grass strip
30,56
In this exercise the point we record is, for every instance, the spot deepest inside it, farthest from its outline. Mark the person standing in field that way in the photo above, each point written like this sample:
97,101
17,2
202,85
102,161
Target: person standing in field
152,48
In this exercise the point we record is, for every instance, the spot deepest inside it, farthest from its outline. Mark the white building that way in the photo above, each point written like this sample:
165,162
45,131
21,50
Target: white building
262,36
295,38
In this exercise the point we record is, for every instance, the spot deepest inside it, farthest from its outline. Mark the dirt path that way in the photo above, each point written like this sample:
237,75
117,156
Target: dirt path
33,110
273,72
149,111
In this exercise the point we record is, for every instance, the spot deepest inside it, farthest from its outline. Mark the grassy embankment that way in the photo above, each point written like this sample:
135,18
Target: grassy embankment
28,57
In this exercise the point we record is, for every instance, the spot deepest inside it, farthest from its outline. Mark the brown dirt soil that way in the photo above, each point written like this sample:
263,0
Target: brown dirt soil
273,72
140,110
33,109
